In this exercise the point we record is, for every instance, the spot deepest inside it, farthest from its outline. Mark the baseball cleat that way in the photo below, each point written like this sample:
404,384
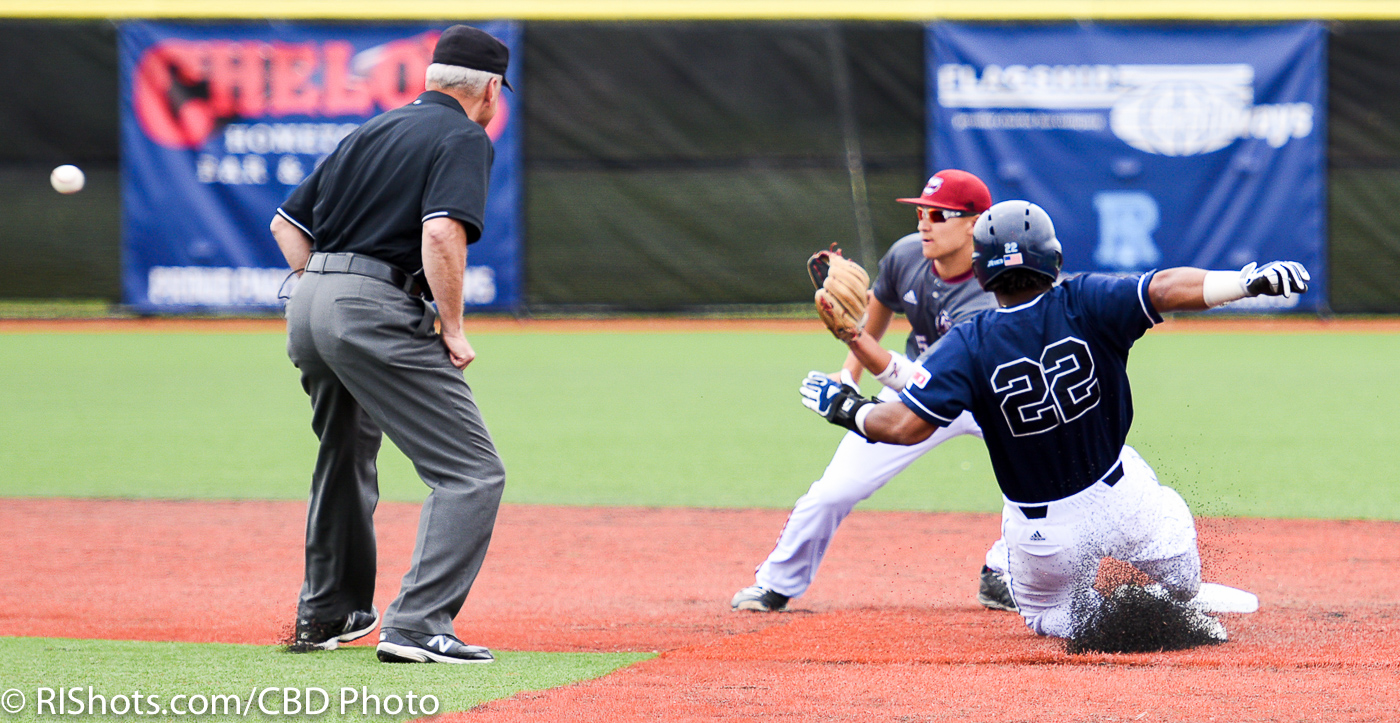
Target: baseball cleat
993,592
312,634
406,646
759,599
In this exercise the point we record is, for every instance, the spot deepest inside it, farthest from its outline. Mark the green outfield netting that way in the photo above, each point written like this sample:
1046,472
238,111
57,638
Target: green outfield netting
680,164
1364,167
669,165
58,82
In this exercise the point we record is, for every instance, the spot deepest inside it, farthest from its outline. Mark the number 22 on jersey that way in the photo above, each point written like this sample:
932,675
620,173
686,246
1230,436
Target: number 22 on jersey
1037,396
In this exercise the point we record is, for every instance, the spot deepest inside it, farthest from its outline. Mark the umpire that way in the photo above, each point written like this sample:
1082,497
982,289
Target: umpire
383,222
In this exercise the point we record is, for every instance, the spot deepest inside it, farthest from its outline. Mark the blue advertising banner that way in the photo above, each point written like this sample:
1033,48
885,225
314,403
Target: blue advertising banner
1150,147
221,121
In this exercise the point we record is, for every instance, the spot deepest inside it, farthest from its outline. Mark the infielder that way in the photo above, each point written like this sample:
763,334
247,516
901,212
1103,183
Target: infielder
927,276
1045,376
383,221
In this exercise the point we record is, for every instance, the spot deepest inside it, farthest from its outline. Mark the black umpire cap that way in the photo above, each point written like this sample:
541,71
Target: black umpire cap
468,47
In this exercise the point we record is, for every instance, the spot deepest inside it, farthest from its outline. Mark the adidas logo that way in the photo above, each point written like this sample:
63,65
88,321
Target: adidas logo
1037,537
910,298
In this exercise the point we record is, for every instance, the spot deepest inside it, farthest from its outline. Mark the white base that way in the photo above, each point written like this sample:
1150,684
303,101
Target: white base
1216,598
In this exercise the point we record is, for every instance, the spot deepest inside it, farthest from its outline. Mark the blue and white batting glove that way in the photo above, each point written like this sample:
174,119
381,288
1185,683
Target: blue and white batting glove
837,402
1276,278
818,392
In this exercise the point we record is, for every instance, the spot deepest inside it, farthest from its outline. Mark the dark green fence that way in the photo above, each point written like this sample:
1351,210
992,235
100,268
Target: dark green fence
668,165
58,82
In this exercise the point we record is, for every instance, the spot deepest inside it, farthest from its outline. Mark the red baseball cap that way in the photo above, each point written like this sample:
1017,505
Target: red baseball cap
954,190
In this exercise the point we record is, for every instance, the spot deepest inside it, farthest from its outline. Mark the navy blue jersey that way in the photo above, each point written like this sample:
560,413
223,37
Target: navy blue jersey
1047,381
908,285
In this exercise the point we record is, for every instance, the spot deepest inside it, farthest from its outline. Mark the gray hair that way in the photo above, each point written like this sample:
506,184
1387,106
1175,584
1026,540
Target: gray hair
470,81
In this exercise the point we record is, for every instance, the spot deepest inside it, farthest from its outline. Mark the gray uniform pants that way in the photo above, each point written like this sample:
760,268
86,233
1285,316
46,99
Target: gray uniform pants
369,363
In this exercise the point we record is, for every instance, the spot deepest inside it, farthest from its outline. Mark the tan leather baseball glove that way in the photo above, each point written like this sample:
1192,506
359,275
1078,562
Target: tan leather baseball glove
842,292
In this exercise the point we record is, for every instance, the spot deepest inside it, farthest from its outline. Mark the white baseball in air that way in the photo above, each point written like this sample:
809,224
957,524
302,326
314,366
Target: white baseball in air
67,179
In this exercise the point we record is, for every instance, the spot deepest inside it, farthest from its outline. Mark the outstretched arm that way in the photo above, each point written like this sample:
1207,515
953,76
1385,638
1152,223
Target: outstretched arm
895,424
866,352
1178,289
1190,289
891,369
845,407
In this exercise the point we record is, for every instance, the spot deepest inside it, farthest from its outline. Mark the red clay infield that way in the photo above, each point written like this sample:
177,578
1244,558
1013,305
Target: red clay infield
890,630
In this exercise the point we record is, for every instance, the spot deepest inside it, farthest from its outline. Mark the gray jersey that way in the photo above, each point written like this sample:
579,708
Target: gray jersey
908,285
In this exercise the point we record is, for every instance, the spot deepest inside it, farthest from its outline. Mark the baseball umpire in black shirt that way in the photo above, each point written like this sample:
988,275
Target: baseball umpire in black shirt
382,222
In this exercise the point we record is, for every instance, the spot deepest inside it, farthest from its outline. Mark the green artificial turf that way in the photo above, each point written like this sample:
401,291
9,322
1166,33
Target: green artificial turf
1257,424
1271,425
122,668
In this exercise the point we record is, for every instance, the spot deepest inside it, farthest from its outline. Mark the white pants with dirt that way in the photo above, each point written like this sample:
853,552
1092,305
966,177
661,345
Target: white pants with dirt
856,471
1054,550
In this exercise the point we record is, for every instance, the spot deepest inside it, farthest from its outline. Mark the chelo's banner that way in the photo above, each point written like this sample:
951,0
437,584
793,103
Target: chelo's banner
220,122
1150,147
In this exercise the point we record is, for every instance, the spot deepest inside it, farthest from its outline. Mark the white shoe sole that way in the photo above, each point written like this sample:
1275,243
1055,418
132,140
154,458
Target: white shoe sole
757,606
415,654
993,604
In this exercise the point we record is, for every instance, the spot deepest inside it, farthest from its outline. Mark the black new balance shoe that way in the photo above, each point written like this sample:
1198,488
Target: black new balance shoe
406,646
993,592
759,599
312,634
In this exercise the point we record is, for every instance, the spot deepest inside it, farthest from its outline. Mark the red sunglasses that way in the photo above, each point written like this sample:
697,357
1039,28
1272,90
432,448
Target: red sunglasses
938,215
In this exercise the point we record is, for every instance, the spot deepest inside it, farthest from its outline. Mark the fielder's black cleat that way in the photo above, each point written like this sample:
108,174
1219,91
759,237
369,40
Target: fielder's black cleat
406,646
312,634
759,599
993,592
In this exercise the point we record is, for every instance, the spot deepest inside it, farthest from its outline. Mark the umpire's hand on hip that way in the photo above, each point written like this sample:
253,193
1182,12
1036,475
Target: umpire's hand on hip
459,350
444,263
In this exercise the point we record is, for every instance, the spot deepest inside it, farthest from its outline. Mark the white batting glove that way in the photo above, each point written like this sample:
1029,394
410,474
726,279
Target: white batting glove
1276,278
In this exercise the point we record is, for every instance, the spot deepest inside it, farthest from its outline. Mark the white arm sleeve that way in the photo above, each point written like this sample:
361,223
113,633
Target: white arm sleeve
861,414
1222,287
897,374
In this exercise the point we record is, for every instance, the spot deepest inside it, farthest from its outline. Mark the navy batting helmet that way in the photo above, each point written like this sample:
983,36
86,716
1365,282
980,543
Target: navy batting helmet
1014,235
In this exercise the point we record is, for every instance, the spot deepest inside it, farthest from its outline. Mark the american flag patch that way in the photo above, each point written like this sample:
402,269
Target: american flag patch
1013,259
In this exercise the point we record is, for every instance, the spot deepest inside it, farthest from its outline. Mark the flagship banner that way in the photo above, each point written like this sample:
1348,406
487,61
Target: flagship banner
221,121
1150,146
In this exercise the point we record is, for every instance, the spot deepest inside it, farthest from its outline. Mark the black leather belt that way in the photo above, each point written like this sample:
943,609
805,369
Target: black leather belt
361,265
1038,512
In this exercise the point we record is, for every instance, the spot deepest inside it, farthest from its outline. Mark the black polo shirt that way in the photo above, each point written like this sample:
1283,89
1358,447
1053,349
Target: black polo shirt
374,192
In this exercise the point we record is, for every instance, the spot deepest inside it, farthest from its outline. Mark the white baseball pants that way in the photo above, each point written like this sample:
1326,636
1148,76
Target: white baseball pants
856,470
1054,550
